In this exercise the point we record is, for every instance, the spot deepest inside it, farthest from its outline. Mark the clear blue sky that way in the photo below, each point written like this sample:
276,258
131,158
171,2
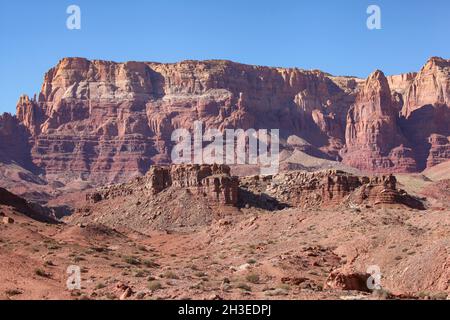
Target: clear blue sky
329,35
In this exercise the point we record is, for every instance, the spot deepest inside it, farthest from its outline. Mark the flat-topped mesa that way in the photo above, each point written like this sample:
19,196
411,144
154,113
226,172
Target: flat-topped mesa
211,181
328,188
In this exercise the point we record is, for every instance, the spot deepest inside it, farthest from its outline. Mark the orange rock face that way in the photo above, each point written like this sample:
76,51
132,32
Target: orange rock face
374,141
401,124
425,116
107,121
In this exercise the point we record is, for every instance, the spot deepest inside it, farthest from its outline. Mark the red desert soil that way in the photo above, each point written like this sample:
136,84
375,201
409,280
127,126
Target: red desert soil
125,251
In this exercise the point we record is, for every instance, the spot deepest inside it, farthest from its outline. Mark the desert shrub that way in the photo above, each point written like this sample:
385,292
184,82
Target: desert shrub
49,263
276,292
99,286
78,259
41,273
140,295
244,287
140,274
253,278
142,248
12,292
200,274
154,285
170,275
284,286
150,264
111,296
382,294
132,260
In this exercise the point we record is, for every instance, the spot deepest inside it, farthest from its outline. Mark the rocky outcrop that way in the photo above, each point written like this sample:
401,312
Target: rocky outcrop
221,189
193,175
29,209
347,280
179,196
329,188
29,114
210,181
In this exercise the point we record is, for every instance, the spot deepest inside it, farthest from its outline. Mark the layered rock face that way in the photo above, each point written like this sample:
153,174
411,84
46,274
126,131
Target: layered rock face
106,122
425,116
213,184
221,189
374,140
210,181
13,141
401,124
431,86
329,188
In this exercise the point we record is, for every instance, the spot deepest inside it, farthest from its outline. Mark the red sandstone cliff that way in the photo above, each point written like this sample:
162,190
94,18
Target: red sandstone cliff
374,141
107,121
408,128
13,141
426,113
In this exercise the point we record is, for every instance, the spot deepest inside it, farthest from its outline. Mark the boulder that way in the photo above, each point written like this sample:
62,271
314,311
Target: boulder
347,280
7,220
